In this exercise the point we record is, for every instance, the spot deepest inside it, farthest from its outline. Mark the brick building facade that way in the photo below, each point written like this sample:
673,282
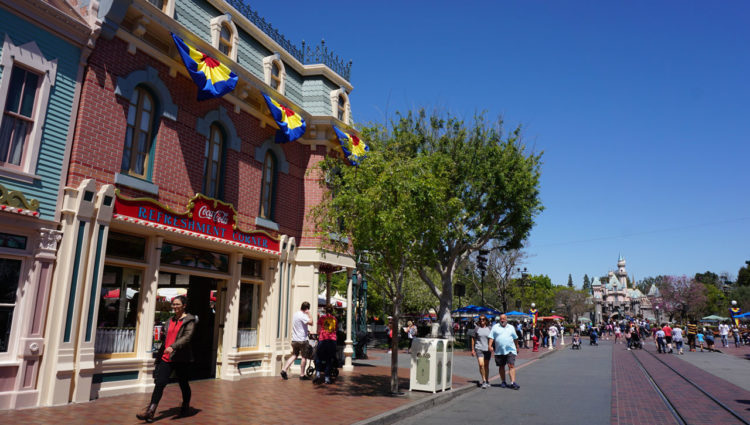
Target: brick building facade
166,195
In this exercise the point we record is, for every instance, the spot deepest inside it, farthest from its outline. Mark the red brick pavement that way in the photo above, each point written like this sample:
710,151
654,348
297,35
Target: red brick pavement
357,395
693,406
736,398
634,400
742,352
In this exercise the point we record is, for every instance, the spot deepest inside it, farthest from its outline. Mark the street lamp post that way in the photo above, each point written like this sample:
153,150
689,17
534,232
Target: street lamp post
658,321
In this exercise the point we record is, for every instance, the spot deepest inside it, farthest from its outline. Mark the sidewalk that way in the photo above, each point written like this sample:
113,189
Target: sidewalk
356,396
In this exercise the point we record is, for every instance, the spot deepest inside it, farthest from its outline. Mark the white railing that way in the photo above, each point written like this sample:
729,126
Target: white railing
247,338
115,340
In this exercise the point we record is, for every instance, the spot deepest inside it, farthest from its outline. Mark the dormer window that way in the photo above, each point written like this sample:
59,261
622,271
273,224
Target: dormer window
340,107
274,72
275,76
224,35
225,40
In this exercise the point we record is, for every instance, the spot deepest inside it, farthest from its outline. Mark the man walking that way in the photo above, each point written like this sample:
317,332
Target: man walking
300,345
724,333
502,342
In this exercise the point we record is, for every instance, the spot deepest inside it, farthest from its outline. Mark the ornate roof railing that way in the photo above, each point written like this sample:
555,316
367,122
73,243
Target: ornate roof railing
304,53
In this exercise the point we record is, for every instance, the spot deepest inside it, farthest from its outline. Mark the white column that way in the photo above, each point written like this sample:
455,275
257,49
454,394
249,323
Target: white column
348,347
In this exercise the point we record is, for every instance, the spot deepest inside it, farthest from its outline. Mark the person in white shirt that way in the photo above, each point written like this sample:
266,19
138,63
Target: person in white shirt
724,333
677,338
300,345
552,332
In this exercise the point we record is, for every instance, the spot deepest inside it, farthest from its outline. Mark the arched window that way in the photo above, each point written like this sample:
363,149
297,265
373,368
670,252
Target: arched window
140,133
267,186
225,39
213,163
275,75
341,108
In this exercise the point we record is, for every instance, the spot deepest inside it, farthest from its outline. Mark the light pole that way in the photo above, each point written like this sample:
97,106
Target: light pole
658,321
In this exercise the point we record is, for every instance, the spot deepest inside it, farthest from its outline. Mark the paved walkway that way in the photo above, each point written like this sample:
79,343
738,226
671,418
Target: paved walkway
356,396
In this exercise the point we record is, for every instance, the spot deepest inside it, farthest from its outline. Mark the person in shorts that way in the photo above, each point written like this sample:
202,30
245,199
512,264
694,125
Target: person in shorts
300,345
481,350
502,342
667,336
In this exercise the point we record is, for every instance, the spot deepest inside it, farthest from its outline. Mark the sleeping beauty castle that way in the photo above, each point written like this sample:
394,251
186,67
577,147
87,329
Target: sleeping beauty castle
614,300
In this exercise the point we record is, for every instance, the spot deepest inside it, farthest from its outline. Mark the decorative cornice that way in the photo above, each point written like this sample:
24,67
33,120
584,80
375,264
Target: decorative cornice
15,201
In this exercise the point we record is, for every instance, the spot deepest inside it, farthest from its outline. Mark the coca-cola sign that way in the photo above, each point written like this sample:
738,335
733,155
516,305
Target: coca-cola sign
217,216
205,216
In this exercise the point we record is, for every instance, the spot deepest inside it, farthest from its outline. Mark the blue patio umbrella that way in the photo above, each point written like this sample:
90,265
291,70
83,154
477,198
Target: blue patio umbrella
516,313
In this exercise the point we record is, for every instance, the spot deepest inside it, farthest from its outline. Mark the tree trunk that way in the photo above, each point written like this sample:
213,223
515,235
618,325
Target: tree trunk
446,305
396,332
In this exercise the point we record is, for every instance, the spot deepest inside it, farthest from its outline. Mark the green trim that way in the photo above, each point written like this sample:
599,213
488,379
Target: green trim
246,365
281,292
115,376
74,281
94,283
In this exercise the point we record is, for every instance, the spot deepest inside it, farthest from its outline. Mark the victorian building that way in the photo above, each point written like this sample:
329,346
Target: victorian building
163,195
613,299
44,46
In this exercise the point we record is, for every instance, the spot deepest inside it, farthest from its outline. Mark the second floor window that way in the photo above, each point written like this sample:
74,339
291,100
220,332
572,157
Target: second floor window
213,164
266,195
225,40
138,136
341,108
275,76
18,115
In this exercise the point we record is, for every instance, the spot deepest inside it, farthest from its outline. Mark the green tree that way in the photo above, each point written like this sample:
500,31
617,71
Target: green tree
571,303
586,283
537,289
485,184
645,284
743,275
376,205
570,281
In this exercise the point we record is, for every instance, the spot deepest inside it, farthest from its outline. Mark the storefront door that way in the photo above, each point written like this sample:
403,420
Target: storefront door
202,302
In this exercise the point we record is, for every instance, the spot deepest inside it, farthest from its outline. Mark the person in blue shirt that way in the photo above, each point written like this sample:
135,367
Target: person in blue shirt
502,342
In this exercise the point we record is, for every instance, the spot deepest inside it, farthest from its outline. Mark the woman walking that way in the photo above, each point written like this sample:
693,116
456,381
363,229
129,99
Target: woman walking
481,350
175,354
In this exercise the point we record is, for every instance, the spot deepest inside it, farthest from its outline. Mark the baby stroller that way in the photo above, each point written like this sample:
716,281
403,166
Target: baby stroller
576,345
315,359
635,341
593,336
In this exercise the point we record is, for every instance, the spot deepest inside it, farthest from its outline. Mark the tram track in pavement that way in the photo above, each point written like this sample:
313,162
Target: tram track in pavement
687,400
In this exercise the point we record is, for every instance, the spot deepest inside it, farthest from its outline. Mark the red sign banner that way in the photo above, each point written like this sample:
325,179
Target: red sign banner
205,217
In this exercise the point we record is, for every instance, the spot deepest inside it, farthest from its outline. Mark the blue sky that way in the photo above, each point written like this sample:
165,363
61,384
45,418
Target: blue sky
642,110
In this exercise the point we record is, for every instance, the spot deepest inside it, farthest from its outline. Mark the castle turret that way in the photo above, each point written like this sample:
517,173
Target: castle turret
622,274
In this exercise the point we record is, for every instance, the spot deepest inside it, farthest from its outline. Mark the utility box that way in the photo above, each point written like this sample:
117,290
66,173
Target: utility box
431,364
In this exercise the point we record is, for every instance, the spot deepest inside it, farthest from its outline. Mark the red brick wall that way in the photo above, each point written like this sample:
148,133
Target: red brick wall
178,161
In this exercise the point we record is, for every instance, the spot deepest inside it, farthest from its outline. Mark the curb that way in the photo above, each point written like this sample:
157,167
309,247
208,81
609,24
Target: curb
415,407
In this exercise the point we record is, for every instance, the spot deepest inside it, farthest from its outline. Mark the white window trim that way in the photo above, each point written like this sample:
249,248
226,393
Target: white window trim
268,62
216,24
29,56
335,104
